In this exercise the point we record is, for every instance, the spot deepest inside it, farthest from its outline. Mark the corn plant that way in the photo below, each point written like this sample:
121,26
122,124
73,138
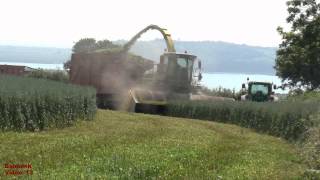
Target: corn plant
286,119
37,104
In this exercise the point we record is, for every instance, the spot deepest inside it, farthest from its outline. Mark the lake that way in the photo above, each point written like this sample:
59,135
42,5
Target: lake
35,65
234,81
210,80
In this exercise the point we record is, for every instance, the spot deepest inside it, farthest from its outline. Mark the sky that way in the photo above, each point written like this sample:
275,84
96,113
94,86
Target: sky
60,23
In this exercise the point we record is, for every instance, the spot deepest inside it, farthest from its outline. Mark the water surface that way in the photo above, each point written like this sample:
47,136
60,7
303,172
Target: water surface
210,80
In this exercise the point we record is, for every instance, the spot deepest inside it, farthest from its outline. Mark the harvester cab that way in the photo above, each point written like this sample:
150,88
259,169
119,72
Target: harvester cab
259,92
175,72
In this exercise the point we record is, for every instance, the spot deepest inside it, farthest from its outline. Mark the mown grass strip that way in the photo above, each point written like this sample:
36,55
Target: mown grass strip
119,145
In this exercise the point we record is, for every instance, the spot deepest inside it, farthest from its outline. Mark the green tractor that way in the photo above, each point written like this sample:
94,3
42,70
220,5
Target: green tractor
259,92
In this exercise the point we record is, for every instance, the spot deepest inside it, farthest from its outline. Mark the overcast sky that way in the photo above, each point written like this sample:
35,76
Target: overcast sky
59,23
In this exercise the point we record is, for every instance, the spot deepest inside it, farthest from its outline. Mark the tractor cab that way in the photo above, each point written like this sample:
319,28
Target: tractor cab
176,71
259,92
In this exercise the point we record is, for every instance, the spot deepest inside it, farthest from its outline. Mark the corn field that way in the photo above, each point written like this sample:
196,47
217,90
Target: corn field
286,119
37,104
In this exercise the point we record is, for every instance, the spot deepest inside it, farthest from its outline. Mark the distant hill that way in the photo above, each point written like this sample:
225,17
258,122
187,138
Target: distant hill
216,56
45,55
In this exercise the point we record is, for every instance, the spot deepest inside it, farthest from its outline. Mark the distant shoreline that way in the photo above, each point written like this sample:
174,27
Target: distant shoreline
54,65
244,73
35,65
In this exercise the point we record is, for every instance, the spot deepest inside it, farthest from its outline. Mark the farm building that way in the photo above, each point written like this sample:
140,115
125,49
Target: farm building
15,70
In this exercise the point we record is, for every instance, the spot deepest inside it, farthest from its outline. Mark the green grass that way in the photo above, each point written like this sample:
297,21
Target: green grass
119,145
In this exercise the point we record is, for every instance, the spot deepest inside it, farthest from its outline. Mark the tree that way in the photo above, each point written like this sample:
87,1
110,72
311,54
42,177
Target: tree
90,44
298,56
67,65
84,45
106,44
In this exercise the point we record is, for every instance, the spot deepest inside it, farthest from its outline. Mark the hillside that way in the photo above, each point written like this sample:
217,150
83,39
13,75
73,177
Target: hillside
118,145
216,56
45,55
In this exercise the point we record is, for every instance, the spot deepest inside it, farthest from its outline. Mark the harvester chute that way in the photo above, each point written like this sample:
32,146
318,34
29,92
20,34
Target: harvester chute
166,35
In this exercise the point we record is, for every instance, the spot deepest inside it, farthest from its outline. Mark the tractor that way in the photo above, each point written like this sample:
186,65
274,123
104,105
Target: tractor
259,92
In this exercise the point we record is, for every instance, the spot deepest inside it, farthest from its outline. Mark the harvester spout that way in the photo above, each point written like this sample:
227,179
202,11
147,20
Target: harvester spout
166,35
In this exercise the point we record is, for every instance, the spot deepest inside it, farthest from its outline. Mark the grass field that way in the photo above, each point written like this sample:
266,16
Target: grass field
119,145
